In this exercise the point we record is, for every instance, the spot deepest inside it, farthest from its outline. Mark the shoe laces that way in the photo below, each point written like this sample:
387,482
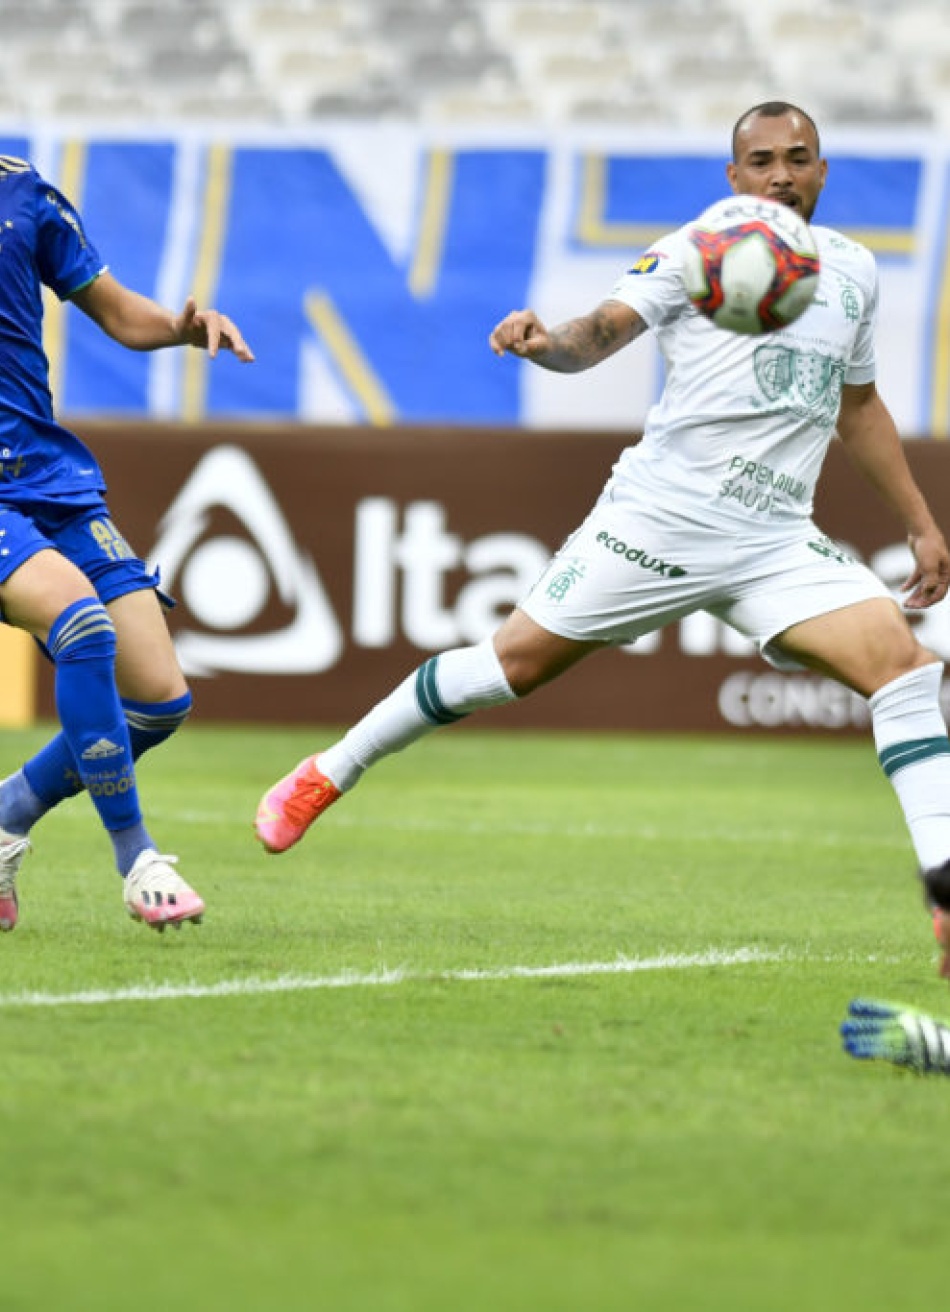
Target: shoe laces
156,875
309,794
11,854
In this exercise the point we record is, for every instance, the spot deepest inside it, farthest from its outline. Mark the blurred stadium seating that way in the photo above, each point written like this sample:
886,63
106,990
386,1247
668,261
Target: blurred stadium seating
657,63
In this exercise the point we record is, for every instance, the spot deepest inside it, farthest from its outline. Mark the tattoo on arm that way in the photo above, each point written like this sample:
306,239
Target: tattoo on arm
580,343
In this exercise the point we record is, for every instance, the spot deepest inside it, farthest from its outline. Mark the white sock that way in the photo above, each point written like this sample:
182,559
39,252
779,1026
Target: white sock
914,751
441,691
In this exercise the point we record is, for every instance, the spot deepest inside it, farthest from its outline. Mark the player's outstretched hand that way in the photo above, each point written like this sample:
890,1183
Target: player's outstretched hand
930,580
904,1036
522,333
211,330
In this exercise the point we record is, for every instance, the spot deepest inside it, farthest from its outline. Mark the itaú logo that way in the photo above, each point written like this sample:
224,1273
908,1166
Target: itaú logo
225,547
226,578
403,562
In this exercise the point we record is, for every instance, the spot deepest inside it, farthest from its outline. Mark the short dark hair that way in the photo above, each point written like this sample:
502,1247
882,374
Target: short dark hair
771,109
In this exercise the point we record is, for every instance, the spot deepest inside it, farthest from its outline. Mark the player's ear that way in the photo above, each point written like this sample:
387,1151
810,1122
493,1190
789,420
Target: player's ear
731,175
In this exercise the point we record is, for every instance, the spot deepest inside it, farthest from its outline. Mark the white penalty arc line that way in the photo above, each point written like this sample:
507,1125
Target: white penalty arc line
375,979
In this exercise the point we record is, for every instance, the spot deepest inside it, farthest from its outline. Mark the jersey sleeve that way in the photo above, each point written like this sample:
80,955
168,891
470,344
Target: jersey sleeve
653,285
66,258
862,366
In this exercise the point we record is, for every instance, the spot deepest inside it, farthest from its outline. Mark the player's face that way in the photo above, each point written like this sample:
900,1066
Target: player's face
778,158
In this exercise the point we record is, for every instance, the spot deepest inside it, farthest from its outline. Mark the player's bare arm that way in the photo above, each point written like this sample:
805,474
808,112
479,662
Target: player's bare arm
572,346
873,443
143,325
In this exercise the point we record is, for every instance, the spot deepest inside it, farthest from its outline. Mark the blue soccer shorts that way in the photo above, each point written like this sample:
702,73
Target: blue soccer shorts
84,534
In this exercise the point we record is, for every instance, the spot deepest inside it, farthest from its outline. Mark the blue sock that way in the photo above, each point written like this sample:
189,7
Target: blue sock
150,723
20,808
51,775
129,844
82,645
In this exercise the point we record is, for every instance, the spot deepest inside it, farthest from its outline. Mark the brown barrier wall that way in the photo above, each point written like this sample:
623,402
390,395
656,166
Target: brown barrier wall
314,567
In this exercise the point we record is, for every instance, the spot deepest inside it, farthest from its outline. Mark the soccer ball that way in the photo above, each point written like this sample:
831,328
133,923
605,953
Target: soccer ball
750,264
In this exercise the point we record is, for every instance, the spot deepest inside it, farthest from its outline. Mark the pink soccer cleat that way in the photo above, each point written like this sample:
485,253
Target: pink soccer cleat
288,809
13,848
937,901
157,894
942,935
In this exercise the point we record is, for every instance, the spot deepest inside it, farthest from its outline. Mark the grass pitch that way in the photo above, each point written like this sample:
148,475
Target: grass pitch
457,1050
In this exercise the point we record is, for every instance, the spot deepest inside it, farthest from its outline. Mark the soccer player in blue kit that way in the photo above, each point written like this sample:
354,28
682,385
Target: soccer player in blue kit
67,576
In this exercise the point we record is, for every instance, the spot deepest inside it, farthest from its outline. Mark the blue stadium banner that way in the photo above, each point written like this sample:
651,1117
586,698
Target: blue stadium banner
367,265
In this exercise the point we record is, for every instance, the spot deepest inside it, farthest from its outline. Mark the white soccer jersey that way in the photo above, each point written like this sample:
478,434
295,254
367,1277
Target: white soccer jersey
743,425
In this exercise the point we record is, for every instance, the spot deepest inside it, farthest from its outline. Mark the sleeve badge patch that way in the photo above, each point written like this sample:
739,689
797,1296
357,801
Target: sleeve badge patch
646,263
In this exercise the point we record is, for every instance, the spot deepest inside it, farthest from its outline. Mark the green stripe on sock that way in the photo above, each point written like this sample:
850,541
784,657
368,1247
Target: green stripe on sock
427,695
910,753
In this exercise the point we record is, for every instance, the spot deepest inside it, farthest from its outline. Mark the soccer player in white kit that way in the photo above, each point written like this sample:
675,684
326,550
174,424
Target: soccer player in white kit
712,511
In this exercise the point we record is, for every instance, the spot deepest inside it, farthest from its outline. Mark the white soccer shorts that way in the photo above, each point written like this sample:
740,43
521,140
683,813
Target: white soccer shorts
628,571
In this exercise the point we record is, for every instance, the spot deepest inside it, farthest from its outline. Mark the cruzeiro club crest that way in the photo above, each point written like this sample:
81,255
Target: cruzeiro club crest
805,380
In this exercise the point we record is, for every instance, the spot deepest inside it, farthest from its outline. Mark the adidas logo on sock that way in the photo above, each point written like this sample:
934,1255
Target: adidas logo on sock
101,749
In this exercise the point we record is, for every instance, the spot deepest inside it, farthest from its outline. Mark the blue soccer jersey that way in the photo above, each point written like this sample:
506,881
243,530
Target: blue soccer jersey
41,242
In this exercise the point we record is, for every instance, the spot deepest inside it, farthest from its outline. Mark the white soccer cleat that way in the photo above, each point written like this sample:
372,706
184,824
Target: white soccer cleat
157,894
13,848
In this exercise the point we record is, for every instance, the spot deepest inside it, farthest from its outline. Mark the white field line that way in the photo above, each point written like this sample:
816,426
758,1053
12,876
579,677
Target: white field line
759,838
374,979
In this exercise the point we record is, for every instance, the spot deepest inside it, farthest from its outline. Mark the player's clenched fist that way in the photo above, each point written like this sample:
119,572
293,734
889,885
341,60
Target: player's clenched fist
521,332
